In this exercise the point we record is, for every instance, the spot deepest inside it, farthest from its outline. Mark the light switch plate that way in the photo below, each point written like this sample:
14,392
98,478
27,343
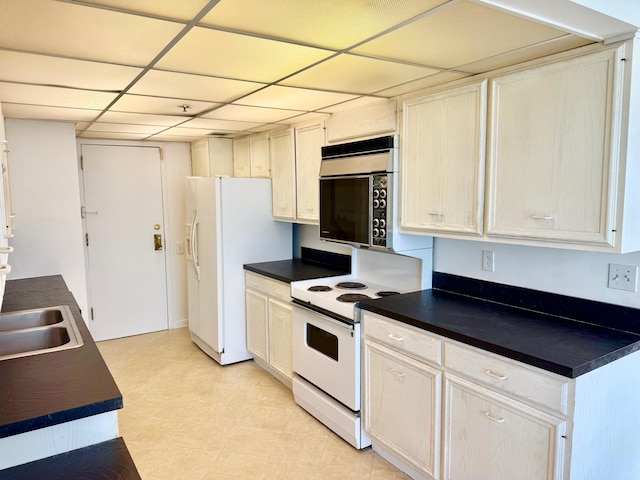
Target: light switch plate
623,277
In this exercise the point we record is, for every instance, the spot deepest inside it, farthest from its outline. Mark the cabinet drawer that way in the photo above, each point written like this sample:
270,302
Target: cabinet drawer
410,341
272,288
505,376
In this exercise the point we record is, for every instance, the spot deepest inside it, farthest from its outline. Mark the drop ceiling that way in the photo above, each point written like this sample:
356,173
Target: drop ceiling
178,70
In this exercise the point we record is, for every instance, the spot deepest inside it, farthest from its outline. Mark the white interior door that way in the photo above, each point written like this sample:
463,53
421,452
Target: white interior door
123,213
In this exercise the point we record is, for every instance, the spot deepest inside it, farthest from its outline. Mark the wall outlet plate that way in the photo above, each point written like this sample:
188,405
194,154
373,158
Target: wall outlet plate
487,260
623,277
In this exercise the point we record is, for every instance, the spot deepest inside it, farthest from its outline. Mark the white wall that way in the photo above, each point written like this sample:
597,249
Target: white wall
567,272
46,201
176,165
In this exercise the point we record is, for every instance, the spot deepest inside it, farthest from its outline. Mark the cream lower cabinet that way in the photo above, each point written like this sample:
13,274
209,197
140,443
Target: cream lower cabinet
269,318
402,406
493,437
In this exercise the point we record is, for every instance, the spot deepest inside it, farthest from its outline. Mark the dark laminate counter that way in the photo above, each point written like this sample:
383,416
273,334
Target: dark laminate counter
313,264
107,460
564,346
43,390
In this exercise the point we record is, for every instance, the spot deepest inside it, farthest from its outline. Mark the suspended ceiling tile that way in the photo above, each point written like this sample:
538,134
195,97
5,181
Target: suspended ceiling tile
41,112
222,54
124,128
47,70
183,10
160,105
192,87
555,45
430,81
255,114
352,104
173,138
189,132
334,24
142,118
458,34
113,135
220,125
355,74
293,98
82,32
54,96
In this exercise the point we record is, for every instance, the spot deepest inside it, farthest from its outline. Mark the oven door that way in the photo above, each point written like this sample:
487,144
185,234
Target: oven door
326,353
345,209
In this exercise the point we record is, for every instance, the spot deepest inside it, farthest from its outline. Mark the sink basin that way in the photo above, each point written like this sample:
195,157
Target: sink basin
29,319
33,332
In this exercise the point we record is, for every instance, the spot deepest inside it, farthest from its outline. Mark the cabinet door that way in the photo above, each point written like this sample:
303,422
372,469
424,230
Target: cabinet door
491,437
309,142
242,157
553,163
401,406
283,175
257,311
259,155
443,161
280,343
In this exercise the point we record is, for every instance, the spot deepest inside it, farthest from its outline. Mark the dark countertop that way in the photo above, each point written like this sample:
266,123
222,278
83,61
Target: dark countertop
108,460
293,270
564,346
43,390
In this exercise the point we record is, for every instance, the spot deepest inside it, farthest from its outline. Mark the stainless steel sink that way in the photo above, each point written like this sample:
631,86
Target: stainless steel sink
33,332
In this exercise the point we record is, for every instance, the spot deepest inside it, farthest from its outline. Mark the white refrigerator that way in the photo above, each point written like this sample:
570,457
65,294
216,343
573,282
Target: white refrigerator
229,223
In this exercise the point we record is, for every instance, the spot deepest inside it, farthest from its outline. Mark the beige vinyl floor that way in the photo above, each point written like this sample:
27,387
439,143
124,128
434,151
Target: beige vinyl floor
187,418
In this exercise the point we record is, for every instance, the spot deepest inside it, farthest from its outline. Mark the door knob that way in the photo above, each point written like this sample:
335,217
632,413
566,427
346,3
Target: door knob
157,241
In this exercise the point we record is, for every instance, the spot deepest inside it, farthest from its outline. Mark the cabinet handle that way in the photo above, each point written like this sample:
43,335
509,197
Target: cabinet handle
492,418
542,217
278,315
435,214
495,375
5,269
395,337
396,372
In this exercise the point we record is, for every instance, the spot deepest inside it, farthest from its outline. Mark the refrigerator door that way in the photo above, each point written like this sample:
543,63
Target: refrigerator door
207,241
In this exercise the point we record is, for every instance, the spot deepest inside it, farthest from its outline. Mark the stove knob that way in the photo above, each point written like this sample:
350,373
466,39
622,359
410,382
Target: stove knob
383,193
383,203
375,232
377,222
376,203
383,233
376,193
383,223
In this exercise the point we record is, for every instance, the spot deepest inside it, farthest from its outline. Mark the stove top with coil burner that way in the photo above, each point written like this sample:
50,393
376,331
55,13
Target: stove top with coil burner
339,294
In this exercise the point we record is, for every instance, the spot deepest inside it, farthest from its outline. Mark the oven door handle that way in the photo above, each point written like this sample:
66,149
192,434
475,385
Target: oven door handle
344,322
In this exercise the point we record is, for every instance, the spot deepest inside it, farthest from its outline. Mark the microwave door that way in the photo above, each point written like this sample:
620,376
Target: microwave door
345,209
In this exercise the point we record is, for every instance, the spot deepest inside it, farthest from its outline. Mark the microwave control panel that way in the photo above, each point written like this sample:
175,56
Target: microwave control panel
380,218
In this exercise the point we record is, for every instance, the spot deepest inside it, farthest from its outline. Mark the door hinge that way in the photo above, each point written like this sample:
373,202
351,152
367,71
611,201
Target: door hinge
86,239
81,163
91,313
161,153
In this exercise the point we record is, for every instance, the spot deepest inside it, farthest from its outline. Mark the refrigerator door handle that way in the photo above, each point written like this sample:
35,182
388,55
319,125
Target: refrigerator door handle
194,243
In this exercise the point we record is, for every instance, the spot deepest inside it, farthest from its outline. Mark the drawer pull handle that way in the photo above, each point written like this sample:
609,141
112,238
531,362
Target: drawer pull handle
395,337
492,418
396,372
542,217
495,375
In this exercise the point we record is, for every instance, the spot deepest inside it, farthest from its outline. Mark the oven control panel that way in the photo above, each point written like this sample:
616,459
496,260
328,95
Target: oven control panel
380,202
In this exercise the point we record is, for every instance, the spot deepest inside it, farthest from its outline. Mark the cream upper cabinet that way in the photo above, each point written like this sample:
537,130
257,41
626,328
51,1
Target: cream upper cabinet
251,156
553,160
241,157
309,140
212,156
283,175
443,159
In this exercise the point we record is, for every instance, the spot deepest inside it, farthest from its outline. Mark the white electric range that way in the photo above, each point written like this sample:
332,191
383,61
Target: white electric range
326,350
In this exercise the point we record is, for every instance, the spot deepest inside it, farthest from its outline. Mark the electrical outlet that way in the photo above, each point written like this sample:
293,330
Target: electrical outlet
487,260
623,277
180,248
